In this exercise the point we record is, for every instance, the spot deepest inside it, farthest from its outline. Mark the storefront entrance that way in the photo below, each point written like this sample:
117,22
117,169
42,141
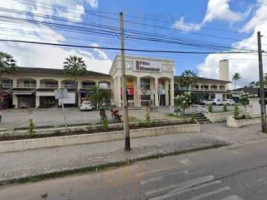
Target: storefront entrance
47,102
26,101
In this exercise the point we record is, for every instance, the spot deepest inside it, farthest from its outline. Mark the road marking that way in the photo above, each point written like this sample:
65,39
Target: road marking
186,162
201,196
155,171
234,197
184,190
151,180
183,185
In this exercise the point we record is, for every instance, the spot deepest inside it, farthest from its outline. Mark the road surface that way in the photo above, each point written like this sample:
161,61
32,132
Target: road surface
236,172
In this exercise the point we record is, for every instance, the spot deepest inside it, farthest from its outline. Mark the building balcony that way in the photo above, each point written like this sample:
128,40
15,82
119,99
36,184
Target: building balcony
49,86
69,86
26,85
7,85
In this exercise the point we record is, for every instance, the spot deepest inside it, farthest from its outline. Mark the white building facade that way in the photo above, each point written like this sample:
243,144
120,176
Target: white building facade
147,79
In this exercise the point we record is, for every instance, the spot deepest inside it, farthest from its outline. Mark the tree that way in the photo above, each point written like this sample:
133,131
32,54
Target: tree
75,66
7,66
99,95
187,78
236,77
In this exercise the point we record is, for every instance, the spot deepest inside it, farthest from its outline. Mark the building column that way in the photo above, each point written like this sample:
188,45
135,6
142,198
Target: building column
119,91
167,91
15,100
14,82
59,84
199,87
172,91
209,87
190,87
218,87
37,101
156,92
138,93
37,83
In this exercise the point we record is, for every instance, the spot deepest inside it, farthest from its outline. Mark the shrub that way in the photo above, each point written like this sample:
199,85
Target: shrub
193,117
210,108
105,124
182,101
225,109
244,99
31,128
236,111
147,120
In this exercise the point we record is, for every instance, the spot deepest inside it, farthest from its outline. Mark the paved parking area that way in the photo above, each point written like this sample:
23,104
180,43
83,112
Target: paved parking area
18,118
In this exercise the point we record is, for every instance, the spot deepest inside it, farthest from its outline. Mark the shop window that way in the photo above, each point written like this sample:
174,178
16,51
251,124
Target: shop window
145,83
130,89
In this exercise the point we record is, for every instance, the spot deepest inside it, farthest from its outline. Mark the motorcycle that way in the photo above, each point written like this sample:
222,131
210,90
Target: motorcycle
115,115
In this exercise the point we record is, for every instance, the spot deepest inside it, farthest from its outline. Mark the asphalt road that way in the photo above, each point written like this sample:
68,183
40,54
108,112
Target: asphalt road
231,173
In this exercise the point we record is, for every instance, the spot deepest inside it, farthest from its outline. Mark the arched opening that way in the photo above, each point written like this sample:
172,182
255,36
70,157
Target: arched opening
49,84
68,84
88,84
26,83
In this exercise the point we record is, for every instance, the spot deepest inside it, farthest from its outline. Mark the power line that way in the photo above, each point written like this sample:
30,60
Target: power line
126,49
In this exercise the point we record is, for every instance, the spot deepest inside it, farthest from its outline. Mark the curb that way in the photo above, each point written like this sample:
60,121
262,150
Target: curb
58,174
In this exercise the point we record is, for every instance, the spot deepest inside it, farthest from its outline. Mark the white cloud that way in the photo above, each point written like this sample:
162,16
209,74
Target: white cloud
216,10
31,55
220,10
93,3
186,27
260,16
245,64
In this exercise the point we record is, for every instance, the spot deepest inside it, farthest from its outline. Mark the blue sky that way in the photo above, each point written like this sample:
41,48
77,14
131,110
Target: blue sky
190,20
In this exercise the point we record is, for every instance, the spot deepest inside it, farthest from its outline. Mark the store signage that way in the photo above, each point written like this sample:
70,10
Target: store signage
148,66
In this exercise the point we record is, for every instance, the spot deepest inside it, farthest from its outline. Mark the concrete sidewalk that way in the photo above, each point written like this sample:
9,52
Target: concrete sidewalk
17,165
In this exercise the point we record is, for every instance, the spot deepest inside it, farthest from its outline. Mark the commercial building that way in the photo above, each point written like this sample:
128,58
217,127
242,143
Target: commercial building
147,79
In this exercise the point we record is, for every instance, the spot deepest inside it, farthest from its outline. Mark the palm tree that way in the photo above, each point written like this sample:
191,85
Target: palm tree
187,78
236,77
75,66
7,66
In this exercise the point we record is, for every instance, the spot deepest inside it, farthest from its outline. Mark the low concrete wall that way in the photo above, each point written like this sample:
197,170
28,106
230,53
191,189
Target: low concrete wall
218,117
20,145
232,122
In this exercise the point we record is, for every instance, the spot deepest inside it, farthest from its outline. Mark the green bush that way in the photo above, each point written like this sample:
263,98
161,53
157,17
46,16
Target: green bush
148,120
31,128
105,125
193,117
236,111
210,108
225,109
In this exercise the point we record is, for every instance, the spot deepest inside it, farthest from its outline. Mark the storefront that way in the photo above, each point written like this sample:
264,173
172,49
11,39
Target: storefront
148,80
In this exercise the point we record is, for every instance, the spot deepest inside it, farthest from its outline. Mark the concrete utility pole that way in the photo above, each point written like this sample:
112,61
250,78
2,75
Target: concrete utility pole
124,94
262,96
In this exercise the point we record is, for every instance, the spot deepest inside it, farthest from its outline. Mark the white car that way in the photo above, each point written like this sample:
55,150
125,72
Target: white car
218,102
86,106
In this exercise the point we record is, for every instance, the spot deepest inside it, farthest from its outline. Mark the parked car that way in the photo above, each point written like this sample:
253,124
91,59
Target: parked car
86,106
219,102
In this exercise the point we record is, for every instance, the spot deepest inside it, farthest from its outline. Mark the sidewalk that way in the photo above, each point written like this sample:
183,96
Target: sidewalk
17,165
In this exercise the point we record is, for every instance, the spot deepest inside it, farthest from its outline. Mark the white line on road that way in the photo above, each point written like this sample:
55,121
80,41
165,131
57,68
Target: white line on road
184,185
151,180
184,190
186,162
155,171
201,196
234,197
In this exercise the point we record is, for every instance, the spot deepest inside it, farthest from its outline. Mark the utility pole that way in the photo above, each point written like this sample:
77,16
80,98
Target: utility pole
124,97
262,96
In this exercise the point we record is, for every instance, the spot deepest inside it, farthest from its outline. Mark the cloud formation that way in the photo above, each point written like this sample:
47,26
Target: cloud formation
216,10
30,55
186,27
245,64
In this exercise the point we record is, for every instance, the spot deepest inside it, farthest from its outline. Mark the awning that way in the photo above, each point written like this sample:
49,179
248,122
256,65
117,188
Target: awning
45,94
23,92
